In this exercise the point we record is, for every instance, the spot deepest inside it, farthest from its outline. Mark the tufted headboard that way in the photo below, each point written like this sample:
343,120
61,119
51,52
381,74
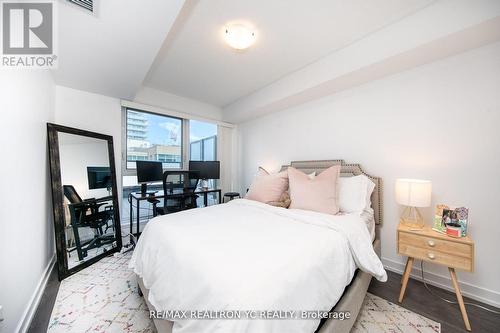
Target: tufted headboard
347,170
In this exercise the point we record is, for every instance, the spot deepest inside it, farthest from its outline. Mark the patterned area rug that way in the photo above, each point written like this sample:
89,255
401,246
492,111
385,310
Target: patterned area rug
379,315
101,298
104,298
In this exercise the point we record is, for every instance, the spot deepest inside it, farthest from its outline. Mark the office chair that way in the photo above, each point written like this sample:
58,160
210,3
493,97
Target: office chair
72,195
86,213
178,188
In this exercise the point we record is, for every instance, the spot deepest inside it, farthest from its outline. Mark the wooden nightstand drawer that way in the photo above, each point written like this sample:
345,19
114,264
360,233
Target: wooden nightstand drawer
439,245
431,246
438,257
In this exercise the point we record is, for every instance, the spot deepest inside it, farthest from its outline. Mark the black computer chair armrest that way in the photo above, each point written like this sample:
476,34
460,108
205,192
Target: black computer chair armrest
155,203
153,200
88,204
81,205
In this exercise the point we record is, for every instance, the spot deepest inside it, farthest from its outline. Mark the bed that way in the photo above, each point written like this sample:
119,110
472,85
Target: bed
259,262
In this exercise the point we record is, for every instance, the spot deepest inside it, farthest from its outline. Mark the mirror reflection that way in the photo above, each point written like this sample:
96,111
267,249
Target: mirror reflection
88,199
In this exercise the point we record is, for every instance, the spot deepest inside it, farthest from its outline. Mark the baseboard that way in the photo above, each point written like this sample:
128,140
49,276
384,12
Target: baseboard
481,294
30,311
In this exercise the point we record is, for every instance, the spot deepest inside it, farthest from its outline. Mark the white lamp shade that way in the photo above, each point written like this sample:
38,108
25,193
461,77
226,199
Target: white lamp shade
413,192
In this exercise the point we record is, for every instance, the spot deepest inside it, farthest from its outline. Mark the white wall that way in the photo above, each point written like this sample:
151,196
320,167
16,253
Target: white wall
445,27
75,157
26,225
173,102
438,122
92,112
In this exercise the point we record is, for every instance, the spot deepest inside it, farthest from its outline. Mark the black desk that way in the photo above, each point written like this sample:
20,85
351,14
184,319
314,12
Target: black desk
138,197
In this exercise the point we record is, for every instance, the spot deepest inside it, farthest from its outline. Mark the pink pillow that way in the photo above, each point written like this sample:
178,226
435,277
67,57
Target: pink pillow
268,187
318,194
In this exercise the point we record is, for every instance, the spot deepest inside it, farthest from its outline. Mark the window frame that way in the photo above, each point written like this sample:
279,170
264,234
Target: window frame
184,147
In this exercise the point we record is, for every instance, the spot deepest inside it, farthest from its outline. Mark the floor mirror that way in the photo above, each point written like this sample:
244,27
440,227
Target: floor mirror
84,197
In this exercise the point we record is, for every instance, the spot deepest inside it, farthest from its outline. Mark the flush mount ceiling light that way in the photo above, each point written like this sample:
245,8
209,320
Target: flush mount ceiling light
239,36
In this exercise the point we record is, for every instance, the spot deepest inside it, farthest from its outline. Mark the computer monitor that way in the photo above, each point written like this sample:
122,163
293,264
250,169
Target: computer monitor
206,169
99,177
149,171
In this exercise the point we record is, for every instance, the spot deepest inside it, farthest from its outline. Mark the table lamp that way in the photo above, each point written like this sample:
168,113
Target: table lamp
413,193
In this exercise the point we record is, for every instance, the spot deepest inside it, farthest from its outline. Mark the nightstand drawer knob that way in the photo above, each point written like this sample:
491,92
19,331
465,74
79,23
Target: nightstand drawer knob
431,243
431,256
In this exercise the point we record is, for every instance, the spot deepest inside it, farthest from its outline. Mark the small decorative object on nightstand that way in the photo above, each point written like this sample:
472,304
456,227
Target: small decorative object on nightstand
431,246
413,193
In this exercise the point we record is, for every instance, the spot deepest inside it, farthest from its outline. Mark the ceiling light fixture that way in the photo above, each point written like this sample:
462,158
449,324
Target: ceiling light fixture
239,36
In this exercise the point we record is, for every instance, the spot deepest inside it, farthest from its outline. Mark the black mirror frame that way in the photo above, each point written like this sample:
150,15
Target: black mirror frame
58,197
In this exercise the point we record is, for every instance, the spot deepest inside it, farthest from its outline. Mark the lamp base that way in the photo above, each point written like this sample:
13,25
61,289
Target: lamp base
412,219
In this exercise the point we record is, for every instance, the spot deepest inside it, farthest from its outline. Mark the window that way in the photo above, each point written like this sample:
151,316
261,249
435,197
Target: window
203,147
153,137
202,141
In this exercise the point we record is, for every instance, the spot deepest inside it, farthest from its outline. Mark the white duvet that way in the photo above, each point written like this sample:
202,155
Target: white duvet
245,255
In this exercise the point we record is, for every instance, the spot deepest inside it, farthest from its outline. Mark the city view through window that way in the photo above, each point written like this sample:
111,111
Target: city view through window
153,137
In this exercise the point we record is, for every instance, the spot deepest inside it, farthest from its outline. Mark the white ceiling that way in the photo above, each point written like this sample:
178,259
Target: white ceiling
440,30
111,51
194,61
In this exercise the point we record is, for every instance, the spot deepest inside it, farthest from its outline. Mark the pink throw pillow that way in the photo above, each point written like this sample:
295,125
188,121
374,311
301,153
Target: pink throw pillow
318,194
268,187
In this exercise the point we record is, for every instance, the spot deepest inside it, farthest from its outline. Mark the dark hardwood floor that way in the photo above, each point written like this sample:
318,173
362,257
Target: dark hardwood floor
417,299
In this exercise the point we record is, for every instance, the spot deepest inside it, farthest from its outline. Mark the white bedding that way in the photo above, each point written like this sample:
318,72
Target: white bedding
368,216
245,255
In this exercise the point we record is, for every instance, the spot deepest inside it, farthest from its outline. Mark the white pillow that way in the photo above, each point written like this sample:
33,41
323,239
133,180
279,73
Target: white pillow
369,191
355,193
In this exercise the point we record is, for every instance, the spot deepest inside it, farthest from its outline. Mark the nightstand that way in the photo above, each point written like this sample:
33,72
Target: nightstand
431,246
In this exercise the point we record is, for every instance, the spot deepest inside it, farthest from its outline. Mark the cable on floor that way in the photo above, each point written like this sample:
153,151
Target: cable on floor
130,246
447,300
